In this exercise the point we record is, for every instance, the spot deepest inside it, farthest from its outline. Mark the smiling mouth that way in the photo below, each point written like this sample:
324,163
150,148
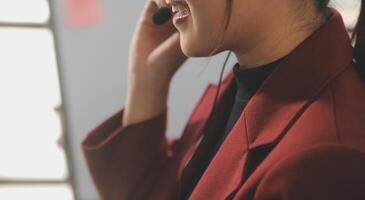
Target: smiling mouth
178,6
180,10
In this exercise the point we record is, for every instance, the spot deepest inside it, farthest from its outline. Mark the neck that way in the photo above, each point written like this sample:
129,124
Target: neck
269,50
279,40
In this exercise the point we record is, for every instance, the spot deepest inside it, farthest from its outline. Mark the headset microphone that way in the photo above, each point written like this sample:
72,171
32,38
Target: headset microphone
162,15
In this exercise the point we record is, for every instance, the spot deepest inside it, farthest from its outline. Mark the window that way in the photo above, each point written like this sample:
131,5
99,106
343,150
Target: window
349,10
33,159
31,11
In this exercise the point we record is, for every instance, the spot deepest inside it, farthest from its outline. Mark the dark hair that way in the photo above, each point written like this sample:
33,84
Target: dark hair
322,4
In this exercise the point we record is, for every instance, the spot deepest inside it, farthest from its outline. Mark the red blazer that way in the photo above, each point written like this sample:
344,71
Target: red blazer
301,136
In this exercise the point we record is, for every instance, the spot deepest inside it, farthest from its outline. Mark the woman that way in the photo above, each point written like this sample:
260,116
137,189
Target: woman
286,123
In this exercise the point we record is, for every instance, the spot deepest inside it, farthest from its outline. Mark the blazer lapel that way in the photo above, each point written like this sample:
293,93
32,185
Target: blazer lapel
297,80
201,140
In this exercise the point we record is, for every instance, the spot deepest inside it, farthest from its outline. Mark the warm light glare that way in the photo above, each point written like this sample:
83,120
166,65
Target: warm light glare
36,11
349,9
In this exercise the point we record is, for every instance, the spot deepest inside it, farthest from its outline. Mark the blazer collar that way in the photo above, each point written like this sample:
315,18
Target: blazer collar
295,82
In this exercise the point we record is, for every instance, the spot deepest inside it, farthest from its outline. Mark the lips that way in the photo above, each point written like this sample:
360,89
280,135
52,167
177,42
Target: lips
178,6
180,9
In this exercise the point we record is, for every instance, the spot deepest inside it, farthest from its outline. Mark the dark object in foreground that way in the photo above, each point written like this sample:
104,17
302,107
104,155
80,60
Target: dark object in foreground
162,15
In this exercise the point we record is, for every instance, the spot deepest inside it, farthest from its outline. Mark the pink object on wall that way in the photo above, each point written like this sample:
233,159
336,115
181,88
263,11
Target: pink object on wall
83,12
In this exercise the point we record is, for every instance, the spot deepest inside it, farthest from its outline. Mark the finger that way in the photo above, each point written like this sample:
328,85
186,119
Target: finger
160,3
153,5
170,48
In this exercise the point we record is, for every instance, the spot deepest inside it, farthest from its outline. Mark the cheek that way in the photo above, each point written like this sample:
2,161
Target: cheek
204,29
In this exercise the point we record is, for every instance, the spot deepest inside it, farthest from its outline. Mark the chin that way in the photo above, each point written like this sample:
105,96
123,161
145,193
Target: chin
194,49
197,46
193,52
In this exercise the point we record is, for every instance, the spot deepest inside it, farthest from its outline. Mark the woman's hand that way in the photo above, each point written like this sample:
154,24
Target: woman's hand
155,56
155,50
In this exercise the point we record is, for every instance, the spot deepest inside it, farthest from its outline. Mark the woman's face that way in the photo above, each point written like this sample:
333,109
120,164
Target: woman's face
203,29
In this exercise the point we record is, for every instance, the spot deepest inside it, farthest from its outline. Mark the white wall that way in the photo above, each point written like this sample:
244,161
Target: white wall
93,75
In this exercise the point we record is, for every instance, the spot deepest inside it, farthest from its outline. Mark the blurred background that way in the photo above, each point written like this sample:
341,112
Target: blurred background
63,70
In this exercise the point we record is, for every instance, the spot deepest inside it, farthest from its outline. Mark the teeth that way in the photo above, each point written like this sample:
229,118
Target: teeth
174,8
178,8
182,14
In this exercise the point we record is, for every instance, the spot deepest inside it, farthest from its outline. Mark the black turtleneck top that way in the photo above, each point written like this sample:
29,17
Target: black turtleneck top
248,81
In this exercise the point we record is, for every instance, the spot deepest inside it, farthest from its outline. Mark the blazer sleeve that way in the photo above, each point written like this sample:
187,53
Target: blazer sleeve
123,158
331,172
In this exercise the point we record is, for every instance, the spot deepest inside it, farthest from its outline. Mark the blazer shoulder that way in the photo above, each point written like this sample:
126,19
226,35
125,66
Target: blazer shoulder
331,171
348,95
